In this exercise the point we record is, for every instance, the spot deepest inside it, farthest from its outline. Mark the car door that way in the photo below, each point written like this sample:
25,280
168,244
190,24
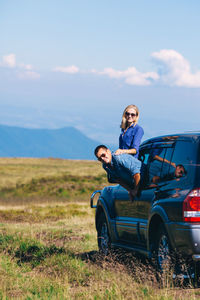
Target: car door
156,167
152,158
175,185
128,212
132,217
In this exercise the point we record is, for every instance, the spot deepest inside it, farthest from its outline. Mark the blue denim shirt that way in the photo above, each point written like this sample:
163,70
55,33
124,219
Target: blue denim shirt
131,138
123,167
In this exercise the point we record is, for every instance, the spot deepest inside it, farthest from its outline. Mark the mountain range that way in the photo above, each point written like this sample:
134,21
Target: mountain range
67,142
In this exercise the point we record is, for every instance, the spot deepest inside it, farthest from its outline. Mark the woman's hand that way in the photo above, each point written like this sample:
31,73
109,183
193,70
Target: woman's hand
119,151
127,151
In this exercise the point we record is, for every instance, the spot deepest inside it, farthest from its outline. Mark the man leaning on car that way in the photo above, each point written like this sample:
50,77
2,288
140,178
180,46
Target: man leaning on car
123,169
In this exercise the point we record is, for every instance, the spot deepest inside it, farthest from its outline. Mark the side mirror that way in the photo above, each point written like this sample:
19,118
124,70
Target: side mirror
94,197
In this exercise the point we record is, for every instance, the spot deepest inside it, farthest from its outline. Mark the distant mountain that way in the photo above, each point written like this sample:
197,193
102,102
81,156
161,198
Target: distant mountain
66,142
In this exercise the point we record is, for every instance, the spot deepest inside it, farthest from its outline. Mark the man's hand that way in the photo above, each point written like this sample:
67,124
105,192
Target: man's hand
173,165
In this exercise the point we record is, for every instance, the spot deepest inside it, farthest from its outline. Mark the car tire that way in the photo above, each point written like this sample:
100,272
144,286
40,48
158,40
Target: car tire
103,235
163,252
171,265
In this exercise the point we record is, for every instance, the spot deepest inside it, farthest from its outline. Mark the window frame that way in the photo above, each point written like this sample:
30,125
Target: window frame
149,147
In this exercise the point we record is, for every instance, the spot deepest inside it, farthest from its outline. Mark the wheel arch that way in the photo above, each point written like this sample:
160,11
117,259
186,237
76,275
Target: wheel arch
99,211
101,208
155,222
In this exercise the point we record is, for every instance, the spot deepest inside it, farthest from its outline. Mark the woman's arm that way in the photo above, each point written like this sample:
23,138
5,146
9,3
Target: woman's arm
134,147
128,151
137,139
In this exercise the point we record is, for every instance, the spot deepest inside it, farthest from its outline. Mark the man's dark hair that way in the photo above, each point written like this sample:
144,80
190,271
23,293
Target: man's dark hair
99,147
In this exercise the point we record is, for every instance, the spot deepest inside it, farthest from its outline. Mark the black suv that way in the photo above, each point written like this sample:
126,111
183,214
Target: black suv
165,216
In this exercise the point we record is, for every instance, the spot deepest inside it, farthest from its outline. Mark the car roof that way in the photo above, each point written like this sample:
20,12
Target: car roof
173,137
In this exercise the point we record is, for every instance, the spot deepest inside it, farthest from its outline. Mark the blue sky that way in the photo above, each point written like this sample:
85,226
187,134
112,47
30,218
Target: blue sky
79,63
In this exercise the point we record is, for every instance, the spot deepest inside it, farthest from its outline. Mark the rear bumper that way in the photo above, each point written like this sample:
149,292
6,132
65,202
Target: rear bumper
185,238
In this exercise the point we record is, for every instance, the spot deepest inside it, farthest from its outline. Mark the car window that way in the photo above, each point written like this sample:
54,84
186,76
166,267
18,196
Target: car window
156,164
183,159
166,163
144,158
157,155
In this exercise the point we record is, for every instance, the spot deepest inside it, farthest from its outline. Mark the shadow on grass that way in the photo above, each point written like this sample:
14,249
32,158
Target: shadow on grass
35,254
135,265
142,269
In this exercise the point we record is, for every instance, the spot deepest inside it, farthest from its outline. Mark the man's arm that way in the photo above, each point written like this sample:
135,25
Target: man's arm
111,178
132,192
132,166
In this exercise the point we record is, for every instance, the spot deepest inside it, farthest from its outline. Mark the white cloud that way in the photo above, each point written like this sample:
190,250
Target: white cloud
26,67
131,76
21,70
175,69
28,75
9,60
70,69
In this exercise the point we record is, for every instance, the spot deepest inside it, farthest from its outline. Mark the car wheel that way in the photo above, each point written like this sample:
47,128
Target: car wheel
103,235
171,265
163,252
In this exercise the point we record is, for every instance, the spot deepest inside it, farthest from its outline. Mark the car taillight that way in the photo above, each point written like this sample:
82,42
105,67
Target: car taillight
191,207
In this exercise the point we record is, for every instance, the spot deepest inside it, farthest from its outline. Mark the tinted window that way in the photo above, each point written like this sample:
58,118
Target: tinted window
183,159
155,163
144,157
167,162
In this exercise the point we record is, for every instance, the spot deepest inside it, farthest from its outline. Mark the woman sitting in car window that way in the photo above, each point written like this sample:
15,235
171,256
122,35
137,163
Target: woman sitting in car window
131,132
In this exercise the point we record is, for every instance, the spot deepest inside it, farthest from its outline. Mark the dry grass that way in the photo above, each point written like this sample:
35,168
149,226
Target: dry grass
48,247
58,259
21,170
31,180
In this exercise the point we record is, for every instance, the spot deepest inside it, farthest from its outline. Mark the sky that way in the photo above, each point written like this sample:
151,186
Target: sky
80,63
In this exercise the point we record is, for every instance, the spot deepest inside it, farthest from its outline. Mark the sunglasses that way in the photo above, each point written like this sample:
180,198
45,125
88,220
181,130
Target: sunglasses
101,156
130,114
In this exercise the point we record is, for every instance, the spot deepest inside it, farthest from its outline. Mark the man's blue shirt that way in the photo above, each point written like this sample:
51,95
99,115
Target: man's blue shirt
123,167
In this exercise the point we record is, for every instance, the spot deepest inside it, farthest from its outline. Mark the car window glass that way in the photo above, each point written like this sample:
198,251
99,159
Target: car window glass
144,157
166,163
183,159
155,163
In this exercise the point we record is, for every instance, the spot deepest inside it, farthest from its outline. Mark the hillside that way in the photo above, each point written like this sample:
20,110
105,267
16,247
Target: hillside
66,142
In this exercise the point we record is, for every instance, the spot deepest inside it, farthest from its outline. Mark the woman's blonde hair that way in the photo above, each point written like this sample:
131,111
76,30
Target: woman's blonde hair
124,122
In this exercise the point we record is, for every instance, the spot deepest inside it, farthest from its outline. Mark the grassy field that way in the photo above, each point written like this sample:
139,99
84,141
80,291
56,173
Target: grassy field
48,180
48,247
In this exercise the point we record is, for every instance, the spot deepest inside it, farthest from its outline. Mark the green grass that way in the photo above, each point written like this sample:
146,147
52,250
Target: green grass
48,246
65,186
60,260
38,214
47,179
17,171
